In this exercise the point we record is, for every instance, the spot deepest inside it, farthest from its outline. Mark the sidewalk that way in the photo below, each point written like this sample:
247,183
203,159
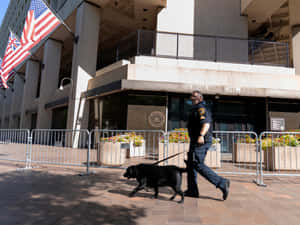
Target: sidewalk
51,195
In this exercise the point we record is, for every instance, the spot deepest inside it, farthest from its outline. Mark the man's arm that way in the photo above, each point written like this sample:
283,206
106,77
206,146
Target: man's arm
203,132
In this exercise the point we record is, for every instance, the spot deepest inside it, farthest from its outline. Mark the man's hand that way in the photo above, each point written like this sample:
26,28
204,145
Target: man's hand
201,140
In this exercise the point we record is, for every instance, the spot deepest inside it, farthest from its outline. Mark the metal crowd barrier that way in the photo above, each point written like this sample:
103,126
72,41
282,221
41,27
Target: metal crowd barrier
281,154
232,152
14,145
122,148
60,147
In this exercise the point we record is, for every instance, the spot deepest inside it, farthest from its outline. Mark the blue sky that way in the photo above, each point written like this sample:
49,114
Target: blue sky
3,7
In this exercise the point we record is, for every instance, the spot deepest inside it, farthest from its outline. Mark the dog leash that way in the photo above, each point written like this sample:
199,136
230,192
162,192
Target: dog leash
168,158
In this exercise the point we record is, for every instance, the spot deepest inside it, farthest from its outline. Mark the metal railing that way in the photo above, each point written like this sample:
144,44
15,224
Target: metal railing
14,145
60,147
196,47
281,154
121,148
232,152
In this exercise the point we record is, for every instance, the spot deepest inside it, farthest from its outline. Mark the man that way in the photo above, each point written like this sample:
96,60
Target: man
200,132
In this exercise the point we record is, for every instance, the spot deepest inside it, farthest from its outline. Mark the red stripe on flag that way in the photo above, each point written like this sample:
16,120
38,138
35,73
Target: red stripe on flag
43,35
8,67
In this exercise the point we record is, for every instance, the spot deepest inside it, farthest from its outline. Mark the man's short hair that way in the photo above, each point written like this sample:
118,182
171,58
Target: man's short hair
199,95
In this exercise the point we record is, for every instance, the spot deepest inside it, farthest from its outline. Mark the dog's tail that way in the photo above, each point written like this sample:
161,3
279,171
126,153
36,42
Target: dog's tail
183,170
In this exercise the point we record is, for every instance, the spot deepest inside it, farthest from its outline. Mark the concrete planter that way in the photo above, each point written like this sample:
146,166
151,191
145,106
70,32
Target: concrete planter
282,158
245,153
112,154
213,157
136,151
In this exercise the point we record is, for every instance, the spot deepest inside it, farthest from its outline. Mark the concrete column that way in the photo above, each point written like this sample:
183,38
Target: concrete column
296,47
14,121
7,108
30,92
176,18
294,18
2,102
49,81
83,64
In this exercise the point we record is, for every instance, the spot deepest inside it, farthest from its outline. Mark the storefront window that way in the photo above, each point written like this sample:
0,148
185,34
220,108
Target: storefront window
179,108
113,115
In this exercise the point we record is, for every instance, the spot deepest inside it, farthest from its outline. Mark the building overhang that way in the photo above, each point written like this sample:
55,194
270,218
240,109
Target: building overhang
186,88
183,76
57,103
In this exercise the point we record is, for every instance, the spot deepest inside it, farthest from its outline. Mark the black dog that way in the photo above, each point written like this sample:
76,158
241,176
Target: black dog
154,176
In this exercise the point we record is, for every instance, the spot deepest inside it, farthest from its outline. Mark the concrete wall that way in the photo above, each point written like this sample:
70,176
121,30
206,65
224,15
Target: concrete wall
29,101
139,117
7,108
203,17
175,18
215,78
213,74
2,106
15,114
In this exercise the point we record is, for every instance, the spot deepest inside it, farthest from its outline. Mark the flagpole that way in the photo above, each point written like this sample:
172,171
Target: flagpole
62,21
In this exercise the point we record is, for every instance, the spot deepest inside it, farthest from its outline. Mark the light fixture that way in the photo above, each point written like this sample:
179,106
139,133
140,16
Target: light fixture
61,87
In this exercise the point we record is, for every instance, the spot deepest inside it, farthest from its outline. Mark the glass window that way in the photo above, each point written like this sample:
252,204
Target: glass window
113,114
179,108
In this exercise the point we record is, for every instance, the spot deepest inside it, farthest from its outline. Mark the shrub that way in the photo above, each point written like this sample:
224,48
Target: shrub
283,140
137,140
247,139
181,135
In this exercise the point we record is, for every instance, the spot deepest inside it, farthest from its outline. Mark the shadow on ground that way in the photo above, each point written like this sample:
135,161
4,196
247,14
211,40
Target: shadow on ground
35,198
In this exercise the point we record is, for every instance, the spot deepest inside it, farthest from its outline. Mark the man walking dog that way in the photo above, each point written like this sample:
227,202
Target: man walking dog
200,132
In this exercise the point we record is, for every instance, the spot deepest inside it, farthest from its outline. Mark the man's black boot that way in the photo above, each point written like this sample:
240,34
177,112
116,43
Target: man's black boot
191,194
225,188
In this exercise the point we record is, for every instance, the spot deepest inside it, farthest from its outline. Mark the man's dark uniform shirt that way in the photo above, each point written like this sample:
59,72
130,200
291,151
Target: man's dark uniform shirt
199,115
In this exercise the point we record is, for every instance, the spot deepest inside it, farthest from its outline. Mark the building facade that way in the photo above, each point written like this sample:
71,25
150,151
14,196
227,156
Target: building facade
135,64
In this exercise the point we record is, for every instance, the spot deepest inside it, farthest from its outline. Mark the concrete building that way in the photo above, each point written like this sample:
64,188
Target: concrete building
136,62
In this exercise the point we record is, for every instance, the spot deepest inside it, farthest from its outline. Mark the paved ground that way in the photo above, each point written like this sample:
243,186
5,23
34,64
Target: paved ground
50,195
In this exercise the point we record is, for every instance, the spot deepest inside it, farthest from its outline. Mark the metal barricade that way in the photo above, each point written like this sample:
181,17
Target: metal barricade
280,153
232,152
60,147
14,145
122,148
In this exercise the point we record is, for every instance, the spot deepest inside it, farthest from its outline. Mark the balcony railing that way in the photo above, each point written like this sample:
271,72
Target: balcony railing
197,47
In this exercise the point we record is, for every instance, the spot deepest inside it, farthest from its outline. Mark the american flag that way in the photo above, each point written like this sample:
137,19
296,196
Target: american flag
40,21
13,56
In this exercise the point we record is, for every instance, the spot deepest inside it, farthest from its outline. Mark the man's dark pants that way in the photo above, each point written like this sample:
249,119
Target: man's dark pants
196,157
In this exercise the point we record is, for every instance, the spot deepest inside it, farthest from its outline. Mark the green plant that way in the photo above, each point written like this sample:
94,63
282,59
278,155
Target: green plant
137,140
216,140
247,139
181,135
283,140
